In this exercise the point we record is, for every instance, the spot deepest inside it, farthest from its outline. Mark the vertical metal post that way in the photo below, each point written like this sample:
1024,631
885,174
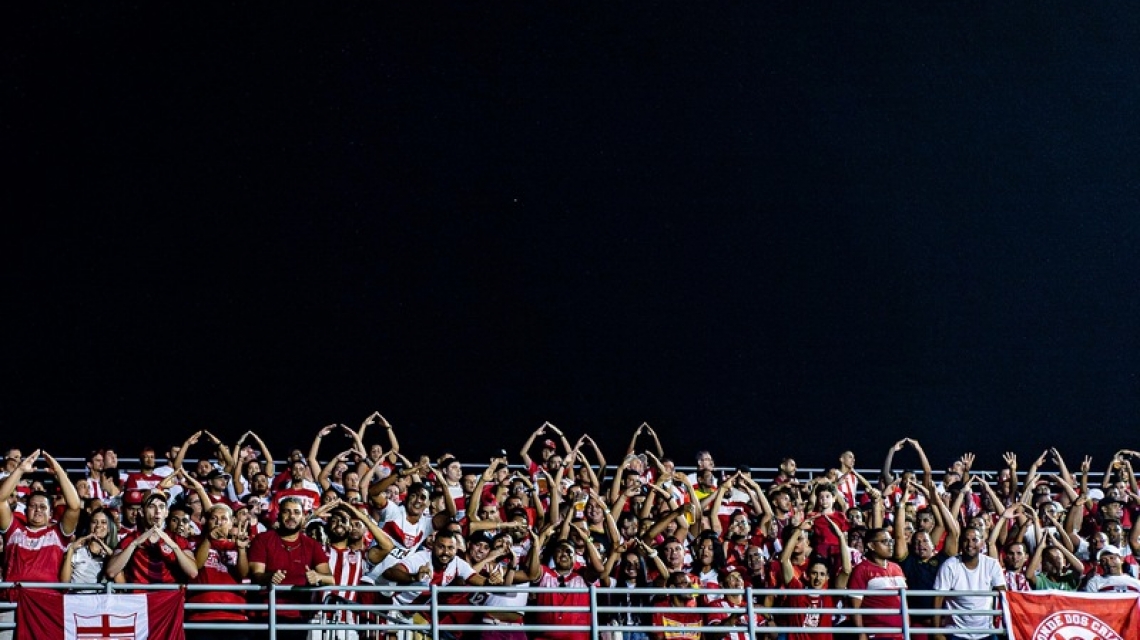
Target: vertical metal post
903,610
751,612
593,612
272,612
434,614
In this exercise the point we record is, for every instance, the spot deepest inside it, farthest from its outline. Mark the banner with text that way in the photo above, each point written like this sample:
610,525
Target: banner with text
1064,615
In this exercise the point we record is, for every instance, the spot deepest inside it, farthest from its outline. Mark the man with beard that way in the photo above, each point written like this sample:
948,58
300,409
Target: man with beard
563,576
919,561
151,555
344,546
670,613
298,487
436,566
1015,558
970,570
286,556
146,479
1114,579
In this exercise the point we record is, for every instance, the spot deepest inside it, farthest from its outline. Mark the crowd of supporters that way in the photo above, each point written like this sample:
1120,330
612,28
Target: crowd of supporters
370,515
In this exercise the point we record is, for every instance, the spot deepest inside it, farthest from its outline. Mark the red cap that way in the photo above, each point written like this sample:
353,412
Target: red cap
549,444
134,496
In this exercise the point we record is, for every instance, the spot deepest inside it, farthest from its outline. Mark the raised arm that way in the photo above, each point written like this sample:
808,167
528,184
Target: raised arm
927,474
222,450
180,457
601,461
9,484
901,550
844,555
1010,459
1059,460
616,484
440,520
312,458
268,467
525,452
717,501
73,505
886,476
786,566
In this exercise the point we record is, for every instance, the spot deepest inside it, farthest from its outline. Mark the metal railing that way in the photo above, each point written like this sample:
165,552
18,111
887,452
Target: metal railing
428,619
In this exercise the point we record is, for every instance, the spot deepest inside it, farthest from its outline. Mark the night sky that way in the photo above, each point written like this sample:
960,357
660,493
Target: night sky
766,230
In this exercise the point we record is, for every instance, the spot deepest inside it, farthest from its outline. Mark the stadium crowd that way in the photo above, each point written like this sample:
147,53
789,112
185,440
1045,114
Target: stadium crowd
370,515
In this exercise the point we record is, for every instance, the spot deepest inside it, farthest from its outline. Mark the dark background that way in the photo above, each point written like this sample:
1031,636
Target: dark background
765,230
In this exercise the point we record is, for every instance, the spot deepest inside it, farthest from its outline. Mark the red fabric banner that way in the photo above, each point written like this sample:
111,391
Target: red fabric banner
1059,615
49,615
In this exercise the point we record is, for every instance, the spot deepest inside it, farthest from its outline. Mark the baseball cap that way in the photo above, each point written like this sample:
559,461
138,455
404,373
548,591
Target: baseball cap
480,536
133,496
157,495
1108,548
217,473
549,444
1096,494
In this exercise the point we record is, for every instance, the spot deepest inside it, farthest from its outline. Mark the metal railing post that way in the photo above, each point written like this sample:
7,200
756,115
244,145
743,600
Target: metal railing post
272,612
751,612
593,612
434,612
905,613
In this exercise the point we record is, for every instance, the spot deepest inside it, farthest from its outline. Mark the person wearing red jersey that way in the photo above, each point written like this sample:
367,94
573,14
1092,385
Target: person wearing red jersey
877,572
151,555
146,479
348,559
814,574
287,556
548,458
305,491
732,604
671,612
565,576
222,557
34,546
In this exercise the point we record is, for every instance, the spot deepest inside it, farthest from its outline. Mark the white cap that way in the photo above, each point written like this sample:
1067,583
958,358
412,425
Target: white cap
1108,548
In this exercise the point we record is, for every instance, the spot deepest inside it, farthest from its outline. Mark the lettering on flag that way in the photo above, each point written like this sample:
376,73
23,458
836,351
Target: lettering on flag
1054,615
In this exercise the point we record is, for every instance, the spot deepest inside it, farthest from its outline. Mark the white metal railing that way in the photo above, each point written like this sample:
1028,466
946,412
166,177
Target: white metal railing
429,622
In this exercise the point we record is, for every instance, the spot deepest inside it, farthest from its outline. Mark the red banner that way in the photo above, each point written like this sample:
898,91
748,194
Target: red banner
49,615
1059,615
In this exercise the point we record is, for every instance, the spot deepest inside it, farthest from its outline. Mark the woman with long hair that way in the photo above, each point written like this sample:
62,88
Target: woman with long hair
87,555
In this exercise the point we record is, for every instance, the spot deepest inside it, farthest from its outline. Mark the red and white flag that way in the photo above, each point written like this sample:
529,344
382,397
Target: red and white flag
1059,615
49,615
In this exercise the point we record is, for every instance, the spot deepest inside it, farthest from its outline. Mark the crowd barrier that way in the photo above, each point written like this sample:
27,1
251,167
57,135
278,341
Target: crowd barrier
429,623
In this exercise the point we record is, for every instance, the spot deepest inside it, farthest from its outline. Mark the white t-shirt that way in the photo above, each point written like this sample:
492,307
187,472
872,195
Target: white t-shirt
955,576
1113,584
457,568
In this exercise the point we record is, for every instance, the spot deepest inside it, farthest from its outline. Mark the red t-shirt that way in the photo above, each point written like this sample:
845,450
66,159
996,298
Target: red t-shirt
868,575
809,620
221,568
142,481
561,599
294,558
153,562
677,622
34,556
